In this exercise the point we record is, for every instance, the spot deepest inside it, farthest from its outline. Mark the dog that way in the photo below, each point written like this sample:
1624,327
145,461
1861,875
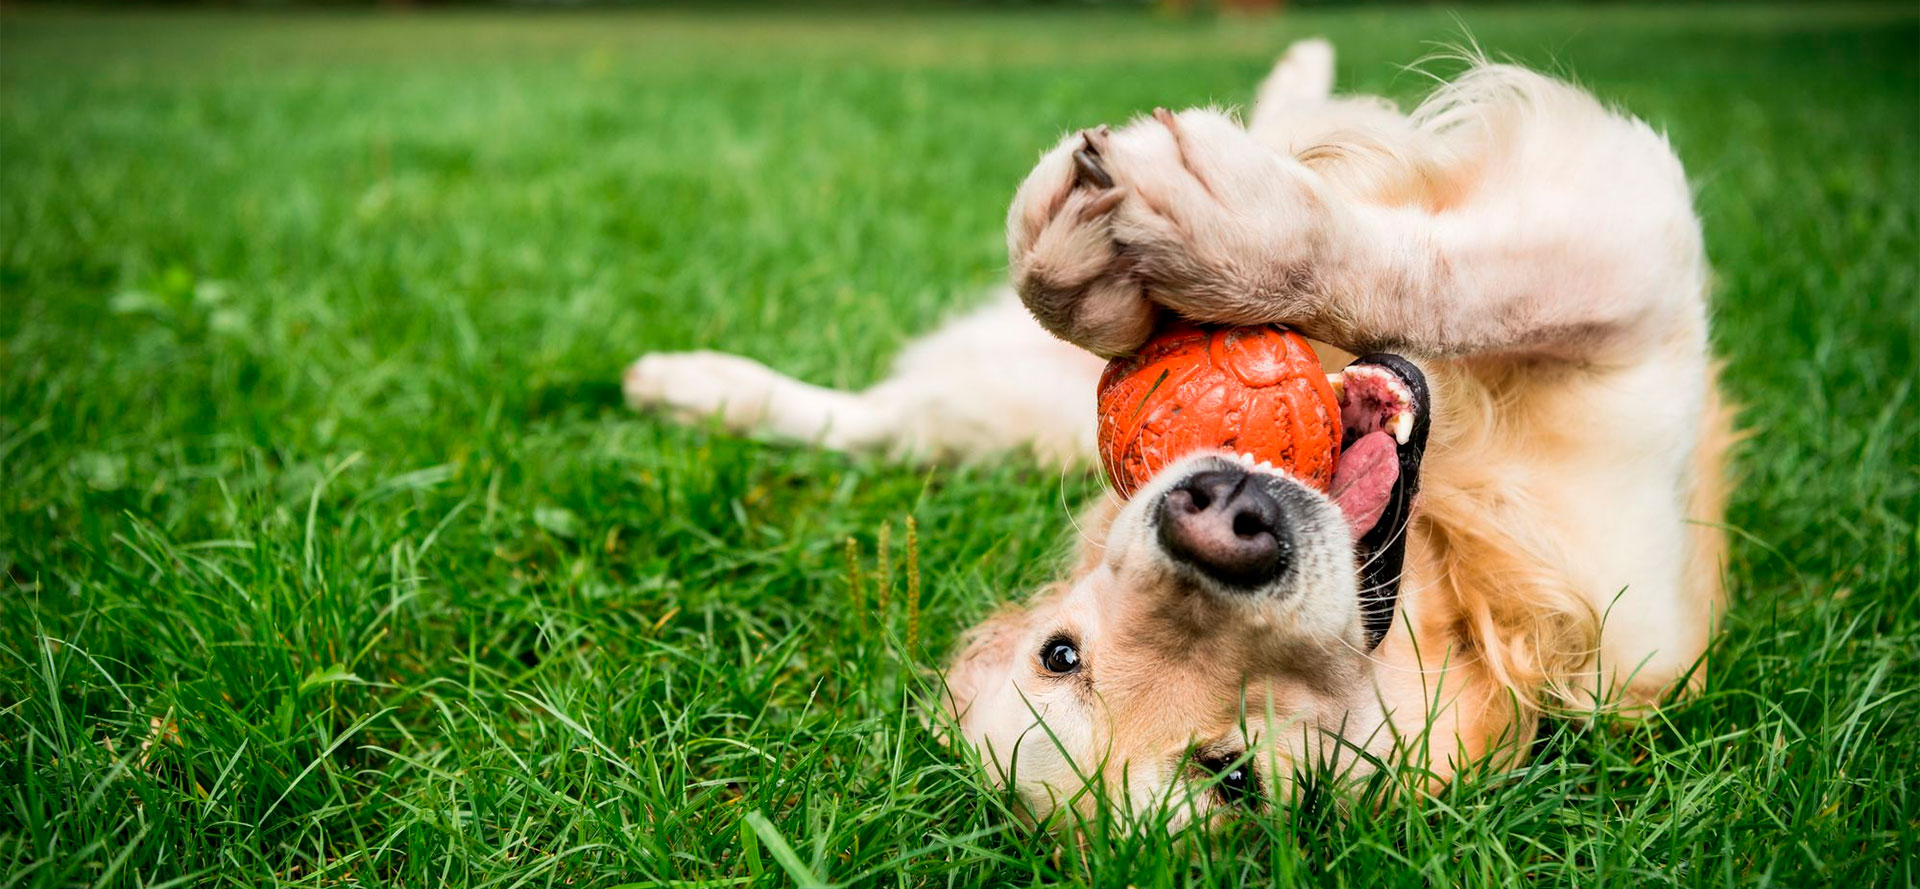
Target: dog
1523,272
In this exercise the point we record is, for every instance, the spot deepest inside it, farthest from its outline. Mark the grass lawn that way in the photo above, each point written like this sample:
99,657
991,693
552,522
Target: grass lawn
330,557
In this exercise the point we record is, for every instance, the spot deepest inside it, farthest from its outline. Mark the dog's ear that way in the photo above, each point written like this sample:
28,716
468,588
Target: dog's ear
983,657
986,653
975,681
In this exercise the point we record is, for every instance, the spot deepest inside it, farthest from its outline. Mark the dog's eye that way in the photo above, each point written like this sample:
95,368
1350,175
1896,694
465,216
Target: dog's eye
1237,784
1060,656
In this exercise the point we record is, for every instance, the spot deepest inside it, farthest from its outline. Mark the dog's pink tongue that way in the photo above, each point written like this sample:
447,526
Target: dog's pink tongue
1368,469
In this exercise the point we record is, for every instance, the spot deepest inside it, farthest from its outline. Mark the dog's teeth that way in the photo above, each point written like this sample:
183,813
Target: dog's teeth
1403,426
1339,383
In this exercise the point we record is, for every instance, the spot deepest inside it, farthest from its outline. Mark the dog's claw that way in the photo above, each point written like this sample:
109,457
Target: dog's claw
1088,168
1086,159
1096,139
1101,203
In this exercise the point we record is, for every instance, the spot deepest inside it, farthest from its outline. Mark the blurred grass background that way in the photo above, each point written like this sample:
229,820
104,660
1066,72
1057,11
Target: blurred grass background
331,559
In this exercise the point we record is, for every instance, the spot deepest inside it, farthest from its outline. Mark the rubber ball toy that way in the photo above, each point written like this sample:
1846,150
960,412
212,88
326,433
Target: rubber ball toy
1256,390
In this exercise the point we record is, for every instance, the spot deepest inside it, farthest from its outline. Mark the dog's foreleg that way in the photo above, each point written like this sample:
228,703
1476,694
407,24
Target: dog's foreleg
1541,223
1550,226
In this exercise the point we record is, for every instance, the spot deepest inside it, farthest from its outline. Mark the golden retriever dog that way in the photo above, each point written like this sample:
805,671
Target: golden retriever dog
1538,522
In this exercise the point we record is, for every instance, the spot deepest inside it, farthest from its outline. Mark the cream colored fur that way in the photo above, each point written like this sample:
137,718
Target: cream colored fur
1534,252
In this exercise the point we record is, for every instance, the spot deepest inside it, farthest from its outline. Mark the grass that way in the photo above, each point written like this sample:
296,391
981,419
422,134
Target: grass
330,558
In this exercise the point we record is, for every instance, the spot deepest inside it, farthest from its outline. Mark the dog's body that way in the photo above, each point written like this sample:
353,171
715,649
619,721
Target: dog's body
1536,255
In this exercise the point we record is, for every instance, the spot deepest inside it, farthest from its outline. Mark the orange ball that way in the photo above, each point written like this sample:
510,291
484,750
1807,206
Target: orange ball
1253,390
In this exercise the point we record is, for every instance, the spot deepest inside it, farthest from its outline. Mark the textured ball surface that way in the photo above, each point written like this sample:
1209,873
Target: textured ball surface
1252,390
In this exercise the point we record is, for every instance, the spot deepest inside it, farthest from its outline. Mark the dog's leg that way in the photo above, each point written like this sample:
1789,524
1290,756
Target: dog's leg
987,382
1543,224
1301,82
1362,142
747,396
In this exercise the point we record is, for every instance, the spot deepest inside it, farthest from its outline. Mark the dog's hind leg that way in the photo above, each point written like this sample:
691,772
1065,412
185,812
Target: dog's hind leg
1296,113
1301,81
746,396
988,382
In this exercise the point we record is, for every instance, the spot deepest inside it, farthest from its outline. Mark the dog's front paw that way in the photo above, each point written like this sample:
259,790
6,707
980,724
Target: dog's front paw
1186,211
1069,271
1220,227
691,386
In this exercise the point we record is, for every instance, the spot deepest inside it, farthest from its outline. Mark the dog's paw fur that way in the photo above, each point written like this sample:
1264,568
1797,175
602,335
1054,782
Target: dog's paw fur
1182,210
692,386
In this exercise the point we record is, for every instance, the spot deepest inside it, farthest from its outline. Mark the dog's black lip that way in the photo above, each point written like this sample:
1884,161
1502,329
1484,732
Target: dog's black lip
1381,552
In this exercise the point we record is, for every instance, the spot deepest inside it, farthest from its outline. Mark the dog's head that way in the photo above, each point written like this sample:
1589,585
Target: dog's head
1218,637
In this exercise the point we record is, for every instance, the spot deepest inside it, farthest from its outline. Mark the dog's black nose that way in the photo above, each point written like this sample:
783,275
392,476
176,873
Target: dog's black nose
1223,522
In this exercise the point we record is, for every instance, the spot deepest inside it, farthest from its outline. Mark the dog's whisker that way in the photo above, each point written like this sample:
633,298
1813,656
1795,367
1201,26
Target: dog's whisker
1073,518
1379,552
